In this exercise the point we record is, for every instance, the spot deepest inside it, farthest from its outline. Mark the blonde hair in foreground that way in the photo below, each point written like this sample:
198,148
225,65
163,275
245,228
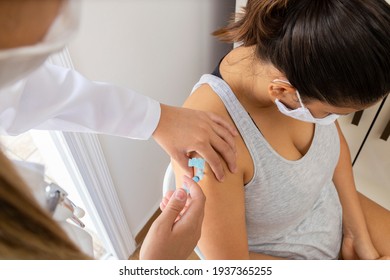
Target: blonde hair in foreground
26,230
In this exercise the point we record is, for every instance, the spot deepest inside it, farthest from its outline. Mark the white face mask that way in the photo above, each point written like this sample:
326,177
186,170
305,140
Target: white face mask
17,63
302,113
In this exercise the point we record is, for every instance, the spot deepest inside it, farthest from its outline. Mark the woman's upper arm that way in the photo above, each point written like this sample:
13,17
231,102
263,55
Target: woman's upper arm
224,230
343,172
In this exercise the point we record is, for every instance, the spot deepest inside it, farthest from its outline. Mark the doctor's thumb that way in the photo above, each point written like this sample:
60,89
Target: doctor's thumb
195,190
198,199
175,206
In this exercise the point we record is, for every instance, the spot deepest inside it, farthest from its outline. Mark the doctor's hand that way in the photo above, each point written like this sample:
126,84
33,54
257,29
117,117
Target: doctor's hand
182,131
172,238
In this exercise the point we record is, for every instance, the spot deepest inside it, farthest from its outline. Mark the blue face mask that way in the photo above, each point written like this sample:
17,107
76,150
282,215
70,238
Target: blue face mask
302,113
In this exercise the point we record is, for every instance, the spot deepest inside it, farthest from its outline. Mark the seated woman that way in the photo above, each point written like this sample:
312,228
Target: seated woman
301,65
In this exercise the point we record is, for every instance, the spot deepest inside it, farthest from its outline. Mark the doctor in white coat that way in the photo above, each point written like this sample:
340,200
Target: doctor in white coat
35,94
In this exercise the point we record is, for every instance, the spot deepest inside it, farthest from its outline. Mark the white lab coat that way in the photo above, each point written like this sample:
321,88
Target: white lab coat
57,98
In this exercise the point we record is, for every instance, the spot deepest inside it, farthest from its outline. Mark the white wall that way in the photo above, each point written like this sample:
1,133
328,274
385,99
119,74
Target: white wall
158,48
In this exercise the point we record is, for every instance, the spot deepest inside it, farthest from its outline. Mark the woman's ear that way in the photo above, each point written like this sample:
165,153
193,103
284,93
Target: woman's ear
281,89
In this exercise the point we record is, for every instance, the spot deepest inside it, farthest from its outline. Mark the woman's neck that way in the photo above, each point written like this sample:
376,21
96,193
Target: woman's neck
249,78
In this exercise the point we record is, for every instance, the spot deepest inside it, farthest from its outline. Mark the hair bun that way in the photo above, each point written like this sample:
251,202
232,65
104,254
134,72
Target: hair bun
261,21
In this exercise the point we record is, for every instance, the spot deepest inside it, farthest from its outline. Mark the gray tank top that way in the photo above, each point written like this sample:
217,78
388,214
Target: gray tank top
292,208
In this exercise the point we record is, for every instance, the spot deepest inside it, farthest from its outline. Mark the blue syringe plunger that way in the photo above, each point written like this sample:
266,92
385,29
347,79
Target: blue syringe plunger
196,179
197,163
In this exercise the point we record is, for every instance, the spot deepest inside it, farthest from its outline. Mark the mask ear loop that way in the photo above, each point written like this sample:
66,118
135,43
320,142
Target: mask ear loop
296,91
299,98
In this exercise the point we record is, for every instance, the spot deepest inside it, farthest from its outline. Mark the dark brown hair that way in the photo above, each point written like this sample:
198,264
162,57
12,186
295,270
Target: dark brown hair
26,230
336,51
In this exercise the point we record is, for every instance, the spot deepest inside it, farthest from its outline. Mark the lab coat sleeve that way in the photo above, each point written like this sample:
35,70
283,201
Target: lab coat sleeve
57,98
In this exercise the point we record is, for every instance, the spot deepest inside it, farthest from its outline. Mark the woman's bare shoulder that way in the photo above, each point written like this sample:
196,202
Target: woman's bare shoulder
205,99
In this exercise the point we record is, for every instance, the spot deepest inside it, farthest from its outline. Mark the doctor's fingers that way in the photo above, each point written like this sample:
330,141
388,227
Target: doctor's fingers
211,137
193,217
217,152
227,152
196,193
223,134
180,214
225,148
165,200
173,209
225,124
